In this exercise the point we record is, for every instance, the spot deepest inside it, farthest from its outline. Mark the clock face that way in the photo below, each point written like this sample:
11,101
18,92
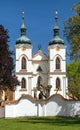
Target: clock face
23,48
57,48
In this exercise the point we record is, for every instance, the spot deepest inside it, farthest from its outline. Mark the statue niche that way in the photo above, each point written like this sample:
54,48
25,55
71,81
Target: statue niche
44,90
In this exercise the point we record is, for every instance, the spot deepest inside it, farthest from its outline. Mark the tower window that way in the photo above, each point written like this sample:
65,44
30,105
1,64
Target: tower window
23,83
23,63
58,83
57,63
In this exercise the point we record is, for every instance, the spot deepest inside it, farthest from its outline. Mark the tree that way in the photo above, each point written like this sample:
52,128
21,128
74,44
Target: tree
73,73
72,33
7,78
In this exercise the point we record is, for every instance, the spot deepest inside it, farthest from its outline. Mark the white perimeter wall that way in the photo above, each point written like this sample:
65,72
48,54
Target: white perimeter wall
2,112
56,105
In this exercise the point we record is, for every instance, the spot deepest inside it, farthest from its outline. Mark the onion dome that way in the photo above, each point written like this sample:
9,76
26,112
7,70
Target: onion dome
23,39
56,39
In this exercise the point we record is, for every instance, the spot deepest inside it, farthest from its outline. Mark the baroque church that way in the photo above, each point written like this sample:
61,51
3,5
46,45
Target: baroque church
40,73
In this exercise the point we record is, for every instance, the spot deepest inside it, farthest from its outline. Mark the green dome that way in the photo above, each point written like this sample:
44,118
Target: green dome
23,40
56,40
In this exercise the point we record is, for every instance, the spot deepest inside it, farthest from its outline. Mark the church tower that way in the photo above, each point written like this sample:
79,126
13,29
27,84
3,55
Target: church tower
23,50
57,62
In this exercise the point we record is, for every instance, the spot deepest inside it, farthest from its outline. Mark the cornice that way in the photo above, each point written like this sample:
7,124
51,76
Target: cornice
23,72
57,73
23,45
35,60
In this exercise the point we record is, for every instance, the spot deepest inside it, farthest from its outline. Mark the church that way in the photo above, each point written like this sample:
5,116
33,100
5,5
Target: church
43,83
40,73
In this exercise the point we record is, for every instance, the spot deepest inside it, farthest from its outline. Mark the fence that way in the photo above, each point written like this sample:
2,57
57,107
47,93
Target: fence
56,105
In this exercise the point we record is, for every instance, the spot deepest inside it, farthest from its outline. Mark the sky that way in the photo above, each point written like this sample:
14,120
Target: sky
39,19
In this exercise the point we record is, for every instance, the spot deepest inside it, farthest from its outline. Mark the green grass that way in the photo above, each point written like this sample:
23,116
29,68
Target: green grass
40,123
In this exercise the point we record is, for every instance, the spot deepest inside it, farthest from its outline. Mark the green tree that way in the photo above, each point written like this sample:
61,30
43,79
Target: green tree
73,73
7,78
72,33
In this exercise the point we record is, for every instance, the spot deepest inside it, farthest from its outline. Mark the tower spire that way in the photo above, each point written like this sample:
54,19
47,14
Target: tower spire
23,27
56,17
56,27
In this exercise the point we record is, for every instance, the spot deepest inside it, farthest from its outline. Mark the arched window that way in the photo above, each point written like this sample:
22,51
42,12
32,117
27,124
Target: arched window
57,63
23,83
58,83
39,81
23,63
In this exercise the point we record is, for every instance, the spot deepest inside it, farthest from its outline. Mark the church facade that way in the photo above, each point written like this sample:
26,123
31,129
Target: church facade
39,72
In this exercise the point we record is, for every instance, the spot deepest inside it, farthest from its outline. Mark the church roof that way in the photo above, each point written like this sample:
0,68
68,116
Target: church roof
56,39
23,39
30,98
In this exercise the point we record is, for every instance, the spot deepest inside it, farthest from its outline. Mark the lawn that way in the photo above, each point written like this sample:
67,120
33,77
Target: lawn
40,123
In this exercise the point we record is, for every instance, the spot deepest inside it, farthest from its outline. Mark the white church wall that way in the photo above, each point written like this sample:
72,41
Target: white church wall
77,108
20,51
42,64
39,56
53,83
56,105
54,51
24,107
48,67
61,53
16,95
40,109
10,110
35,66
29,89
30,108
73,108
20,91
65,87
43,73
53,66
62,65
28,65
27,53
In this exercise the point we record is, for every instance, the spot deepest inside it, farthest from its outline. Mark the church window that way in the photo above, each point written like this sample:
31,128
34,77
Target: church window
57,63
58,83
39,69
39,80
23,63
23,83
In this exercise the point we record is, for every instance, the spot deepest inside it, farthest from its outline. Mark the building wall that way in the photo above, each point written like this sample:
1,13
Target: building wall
60,52
54,53
27,53
2,112
63,84
56,105
49,74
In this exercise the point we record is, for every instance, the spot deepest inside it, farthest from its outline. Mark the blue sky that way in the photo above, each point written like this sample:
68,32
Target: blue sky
39,19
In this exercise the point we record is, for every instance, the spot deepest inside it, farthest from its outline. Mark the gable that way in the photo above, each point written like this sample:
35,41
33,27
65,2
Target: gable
39,56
